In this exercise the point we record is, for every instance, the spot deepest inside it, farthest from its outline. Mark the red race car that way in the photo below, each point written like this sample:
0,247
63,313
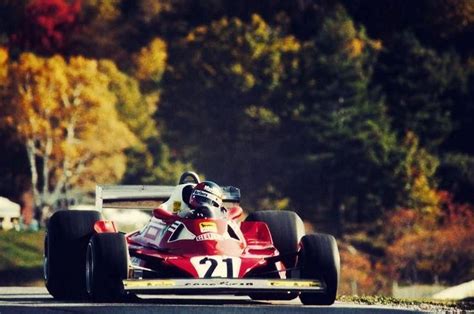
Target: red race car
266,256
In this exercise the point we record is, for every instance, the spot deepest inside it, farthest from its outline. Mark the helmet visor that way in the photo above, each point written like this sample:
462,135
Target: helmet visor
203,198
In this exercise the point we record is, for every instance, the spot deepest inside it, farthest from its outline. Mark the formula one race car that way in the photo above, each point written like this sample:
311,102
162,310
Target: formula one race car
266,256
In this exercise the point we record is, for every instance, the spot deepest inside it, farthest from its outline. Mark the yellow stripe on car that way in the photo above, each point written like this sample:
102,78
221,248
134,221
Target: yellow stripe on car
147,283
294,284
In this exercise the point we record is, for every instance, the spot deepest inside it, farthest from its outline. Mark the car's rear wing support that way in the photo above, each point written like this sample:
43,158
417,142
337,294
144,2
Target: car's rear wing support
143,196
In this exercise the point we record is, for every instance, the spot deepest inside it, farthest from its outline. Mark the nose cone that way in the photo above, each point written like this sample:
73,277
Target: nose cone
210,237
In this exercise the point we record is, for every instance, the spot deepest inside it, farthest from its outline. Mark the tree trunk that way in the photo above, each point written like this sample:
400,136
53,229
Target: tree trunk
31,151
46,170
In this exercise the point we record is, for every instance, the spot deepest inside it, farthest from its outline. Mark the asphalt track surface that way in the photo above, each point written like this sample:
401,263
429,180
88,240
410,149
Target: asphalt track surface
37,300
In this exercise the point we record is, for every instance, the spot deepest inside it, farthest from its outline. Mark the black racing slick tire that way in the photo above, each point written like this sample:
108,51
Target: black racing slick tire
106,266
286,228
66,240
319,259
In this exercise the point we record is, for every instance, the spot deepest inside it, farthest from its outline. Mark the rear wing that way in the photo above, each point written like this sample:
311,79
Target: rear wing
145,197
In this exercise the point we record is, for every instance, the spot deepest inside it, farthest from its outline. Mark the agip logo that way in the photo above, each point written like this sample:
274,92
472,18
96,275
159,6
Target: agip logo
208,227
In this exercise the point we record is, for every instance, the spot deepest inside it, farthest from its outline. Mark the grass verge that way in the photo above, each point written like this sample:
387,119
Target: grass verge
421,304
21,259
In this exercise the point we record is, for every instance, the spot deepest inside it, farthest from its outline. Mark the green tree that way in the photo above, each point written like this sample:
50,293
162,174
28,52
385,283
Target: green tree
456,171
419,85
342,153
439,24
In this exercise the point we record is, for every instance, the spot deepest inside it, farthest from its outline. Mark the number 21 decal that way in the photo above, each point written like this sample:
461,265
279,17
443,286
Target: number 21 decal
216,266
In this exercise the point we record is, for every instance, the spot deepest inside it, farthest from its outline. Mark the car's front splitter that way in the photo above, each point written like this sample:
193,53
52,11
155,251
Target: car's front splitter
221,286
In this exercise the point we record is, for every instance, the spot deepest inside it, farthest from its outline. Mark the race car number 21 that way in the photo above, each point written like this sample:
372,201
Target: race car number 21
216,266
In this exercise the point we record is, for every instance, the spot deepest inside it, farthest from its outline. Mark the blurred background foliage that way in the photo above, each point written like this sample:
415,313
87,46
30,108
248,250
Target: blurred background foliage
357,114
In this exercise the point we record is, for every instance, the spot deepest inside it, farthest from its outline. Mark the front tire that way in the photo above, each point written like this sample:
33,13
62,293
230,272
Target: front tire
65,247
286,228
319,259
106,266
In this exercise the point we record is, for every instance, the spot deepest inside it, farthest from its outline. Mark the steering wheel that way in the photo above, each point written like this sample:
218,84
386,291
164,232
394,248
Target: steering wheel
189,177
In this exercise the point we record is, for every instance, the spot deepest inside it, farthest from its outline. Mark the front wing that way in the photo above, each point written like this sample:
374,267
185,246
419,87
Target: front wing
221,286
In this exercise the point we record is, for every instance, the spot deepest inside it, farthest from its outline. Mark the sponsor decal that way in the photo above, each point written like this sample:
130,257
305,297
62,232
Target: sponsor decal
208,227
219,284
206,195
176,206
148,283
209,236
294,284
207,188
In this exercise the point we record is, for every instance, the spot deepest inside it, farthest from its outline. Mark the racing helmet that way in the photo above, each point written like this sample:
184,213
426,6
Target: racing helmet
206,194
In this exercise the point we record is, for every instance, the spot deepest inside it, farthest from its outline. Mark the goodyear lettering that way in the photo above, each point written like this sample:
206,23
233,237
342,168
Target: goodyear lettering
219,283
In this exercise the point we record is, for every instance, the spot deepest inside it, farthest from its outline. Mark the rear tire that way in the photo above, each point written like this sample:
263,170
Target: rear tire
66,241
319,259
106,266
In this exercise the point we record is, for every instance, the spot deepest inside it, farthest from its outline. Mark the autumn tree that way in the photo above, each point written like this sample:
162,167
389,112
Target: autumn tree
62,111
46,25
149,161
13,161
433,249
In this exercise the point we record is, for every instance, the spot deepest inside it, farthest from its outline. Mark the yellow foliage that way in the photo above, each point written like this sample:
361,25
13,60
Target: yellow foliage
356,47
107,10
3,55
134,108
151,61
69,105
198,32
150,9
289,44
420,166
376,44
259,25
3,64
425,197
262,115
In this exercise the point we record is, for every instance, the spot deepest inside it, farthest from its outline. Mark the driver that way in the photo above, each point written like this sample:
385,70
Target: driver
206,200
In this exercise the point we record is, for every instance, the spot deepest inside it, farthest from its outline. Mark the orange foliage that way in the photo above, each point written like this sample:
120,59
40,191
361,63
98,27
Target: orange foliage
444,250
358,274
